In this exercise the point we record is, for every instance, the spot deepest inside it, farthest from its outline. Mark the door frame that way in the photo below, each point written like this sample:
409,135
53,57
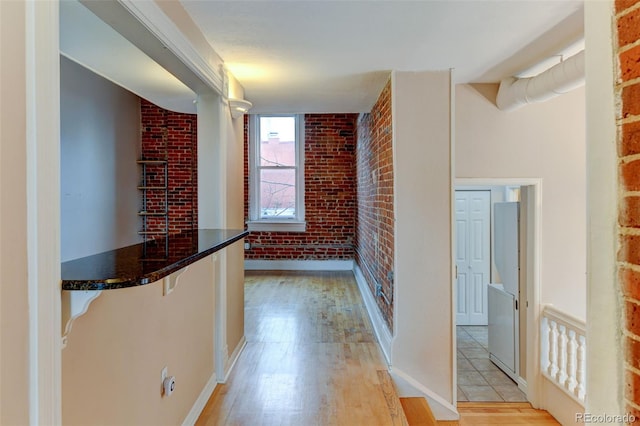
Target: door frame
533,385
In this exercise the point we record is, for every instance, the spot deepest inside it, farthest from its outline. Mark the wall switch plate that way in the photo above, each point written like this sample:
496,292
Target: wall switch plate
247,246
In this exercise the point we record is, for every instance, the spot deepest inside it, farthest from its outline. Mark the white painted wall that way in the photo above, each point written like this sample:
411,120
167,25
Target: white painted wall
422,348
100,143
116,351
14,303
546,141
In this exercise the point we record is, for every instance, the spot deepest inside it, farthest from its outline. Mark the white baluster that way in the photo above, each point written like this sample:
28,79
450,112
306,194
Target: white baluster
553,349
544,344
563,353
572,347
561,376
581,375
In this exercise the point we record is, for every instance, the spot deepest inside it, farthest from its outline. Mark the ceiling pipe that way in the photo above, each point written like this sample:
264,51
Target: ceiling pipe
561,78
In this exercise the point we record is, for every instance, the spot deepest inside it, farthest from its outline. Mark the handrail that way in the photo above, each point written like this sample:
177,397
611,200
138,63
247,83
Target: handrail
551,311
563,352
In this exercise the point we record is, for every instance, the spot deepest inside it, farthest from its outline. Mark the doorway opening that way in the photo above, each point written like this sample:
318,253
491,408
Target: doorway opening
495,301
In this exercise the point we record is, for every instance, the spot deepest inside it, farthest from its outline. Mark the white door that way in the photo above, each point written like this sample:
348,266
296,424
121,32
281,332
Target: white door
472,209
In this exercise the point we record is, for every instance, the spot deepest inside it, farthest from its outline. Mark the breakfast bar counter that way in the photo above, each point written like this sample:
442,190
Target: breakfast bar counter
146,262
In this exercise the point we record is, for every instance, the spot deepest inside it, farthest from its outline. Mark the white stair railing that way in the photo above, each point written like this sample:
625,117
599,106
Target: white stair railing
563,358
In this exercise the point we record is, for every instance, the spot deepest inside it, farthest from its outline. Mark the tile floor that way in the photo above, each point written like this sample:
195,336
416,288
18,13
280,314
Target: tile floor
478,378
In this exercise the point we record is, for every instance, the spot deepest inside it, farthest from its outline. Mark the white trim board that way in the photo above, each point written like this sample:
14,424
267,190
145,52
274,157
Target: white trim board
233,358
409,387
213,381
379,326
298,265
201,402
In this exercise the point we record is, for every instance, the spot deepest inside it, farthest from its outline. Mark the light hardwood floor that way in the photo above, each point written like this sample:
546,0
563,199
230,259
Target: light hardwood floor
502,414
311,357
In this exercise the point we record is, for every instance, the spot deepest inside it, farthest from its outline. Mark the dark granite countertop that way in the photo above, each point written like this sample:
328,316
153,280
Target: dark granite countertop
146,262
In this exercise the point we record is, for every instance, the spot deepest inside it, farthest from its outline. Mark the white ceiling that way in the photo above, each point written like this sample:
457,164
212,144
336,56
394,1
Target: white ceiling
335,56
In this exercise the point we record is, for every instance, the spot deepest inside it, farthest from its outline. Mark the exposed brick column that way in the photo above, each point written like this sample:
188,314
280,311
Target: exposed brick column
171,136
375,221
628,121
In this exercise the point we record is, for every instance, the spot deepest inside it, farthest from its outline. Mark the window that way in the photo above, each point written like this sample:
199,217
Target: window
276,173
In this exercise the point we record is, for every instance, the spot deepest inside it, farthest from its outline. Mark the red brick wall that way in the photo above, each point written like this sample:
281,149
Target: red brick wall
330,197
628,89
171,136
375,220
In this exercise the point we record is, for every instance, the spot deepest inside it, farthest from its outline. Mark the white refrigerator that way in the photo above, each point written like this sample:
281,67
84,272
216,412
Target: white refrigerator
503,297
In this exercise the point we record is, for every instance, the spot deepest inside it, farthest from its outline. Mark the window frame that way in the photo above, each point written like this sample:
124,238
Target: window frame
255,222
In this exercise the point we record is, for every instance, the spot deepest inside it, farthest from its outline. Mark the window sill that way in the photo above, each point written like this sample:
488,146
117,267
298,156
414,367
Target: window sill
276,226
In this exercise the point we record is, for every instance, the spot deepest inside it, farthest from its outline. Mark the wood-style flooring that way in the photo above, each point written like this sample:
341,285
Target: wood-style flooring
502,414
312,359
418,413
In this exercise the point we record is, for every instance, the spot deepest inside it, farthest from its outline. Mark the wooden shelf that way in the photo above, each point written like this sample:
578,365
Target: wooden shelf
161,189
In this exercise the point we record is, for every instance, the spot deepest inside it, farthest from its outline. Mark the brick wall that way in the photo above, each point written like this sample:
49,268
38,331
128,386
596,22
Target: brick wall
171,136
628,119
330,197
375,217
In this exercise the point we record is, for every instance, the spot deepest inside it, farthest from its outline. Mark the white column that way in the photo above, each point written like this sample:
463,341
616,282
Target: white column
212,166
212,175
604,354
43,211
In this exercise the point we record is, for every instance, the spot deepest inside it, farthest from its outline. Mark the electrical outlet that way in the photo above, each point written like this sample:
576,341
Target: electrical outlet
247,246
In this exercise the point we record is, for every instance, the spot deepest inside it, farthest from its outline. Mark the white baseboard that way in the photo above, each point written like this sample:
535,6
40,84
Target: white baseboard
522,385
202,400
560,405
379,325
233,358
408,387
298,265
206,393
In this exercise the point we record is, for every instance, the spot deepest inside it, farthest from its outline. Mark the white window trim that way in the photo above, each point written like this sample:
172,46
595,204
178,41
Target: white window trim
254,223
